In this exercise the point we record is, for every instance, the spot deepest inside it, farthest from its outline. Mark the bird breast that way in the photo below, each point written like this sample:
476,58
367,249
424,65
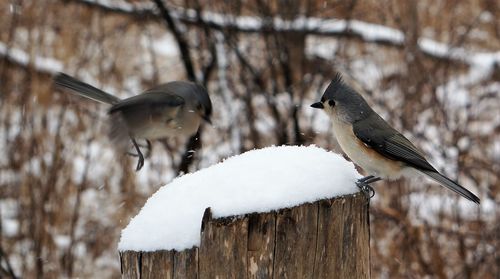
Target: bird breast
367,158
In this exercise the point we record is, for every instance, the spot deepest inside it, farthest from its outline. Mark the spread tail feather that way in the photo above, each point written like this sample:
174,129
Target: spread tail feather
83,89
452,185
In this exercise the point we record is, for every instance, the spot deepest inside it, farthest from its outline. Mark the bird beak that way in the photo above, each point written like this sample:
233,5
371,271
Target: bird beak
207,119
318,105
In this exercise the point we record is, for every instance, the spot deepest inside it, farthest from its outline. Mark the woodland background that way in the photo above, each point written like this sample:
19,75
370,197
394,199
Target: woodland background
431,68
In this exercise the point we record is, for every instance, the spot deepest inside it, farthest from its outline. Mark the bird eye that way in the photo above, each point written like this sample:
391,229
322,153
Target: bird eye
331,103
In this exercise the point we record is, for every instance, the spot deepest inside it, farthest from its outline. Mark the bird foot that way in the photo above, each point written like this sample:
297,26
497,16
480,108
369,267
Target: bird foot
364,185
146,155
140,161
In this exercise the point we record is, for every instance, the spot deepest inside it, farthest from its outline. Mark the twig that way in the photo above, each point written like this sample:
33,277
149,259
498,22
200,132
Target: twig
179,38
7,270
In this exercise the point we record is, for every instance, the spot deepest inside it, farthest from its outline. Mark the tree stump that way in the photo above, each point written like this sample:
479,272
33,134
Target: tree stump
324,239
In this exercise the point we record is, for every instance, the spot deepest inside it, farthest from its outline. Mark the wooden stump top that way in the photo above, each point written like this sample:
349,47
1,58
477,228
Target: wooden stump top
324,239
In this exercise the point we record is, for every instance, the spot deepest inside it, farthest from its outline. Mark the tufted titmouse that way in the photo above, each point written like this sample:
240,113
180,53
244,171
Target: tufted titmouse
372,143
168,110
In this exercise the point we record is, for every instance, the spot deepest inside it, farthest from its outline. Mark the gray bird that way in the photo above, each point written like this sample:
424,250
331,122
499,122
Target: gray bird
168,110
372,143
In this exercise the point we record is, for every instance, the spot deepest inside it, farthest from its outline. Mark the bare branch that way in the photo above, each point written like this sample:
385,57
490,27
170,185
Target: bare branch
353,29
179,38
7,269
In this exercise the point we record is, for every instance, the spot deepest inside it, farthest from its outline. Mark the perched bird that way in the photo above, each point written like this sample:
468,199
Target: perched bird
369,141
168,110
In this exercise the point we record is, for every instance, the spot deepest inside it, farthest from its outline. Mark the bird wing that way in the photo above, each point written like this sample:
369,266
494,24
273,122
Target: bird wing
377,134
153,101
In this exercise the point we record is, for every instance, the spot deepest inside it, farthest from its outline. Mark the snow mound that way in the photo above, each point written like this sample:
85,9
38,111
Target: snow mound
256,181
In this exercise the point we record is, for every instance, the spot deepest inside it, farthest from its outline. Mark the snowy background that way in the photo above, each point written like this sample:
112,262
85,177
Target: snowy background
431,68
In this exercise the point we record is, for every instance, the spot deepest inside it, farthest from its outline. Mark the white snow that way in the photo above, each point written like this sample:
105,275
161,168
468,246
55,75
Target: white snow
9,222
375,32
256,181
370,32
165,45
43,64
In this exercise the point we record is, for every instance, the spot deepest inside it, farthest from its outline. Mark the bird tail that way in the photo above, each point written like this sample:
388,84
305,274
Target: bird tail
83,89
452,185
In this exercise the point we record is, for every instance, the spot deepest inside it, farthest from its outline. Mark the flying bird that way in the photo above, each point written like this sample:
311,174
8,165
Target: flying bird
168,110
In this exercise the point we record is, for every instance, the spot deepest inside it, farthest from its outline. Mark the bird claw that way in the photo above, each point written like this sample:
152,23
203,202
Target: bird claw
364,185
140,161
147,153
366,189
